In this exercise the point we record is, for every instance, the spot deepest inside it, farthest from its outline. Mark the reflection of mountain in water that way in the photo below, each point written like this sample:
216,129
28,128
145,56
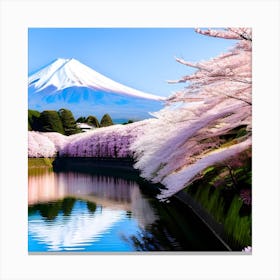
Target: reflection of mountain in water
76,231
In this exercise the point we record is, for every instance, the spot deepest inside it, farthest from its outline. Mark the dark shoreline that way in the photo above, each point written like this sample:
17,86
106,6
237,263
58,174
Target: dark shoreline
87,164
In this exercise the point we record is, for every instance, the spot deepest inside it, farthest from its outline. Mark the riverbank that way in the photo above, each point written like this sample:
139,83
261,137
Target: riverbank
87,164
40,162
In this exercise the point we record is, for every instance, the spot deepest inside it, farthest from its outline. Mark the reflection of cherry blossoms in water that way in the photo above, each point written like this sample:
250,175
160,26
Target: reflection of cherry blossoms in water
47,186
141,209
43,186
113,192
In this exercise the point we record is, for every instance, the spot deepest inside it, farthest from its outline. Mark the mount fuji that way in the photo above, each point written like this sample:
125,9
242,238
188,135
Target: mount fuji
67,83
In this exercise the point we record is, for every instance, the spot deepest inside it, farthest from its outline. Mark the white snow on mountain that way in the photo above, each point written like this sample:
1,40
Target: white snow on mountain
66,73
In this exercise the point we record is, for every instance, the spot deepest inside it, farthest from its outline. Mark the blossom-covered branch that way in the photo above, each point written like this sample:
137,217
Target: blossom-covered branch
228,74
230,33
220,96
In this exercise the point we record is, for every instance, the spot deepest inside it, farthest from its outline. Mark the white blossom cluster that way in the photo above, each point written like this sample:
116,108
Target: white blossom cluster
113,142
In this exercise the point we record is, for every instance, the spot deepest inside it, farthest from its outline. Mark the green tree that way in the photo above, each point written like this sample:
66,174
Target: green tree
33,120
50,122
128,122
81,120
68,122
92,120
106,121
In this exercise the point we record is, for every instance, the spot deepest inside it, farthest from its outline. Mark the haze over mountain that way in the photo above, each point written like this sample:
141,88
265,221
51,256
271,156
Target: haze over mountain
67,83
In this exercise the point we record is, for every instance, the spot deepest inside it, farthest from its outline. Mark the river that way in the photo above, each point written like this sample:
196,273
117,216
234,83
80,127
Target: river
73,211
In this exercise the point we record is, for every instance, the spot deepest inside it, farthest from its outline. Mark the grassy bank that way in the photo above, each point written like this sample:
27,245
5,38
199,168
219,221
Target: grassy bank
224,191
40,162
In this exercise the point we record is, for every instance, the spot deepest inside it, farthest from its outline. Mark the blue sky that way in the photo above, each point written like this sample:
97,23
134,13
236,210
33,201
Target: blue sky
142,58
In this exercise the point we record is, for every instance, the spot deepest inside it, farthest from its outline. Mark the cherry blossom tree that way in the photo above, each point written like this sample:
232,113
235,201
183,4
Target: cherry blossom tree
112,141
228,74
189,136
39,145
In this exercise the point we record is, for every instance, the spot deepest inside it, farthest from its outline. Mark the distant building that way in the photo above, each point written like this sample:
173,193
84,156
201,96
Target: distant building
85,127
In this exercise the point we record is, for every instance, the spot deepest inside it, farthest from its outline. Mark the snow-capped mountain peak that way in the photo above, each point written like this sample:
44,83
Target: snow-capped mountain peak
66,73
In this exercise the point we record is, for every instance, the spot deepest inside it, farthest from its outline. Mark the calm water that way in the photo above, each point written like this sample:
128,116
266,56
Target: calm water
77,212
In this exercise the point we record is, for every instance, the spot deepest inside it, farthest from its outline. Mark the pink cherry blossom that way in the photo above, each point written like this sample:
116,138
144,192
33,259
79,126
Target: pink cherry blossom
217,99
39,145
